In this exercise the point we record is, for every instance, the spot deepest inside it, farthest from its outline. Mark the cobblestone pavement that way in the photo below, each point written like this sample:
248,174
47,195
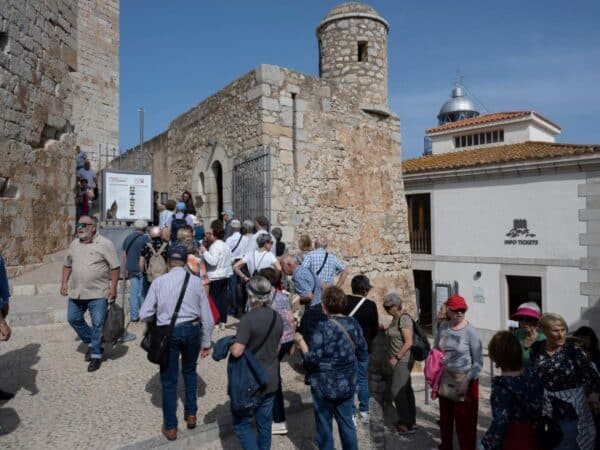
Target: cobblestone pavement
58,404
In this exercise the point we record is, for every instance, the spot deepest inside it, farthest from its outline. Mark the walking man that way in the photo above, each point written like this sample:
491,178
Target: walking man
89,277
132,248
191,335
325,265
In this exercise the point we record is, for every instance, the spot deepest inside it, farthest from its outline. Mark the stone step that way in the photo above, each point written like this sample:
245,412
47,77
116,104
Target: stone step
26,310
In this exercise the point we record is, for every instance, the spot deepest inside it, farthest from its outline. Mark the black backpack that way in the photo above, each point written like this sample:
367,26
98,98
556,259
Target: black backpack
176,224
420,348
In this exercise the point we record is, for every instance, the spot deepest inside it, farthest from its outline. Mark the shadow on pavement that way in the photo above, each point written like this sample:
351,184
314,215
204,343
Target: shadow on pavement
9,421
154,388
20,375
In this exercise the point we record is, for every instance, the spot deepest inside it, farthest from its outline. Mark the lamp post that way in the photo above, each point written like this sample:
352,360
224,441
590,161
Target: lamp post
141,159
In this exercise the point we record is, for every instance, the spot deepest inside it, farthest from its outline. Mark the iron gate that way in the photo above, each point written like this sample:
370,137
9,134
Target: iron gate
252,186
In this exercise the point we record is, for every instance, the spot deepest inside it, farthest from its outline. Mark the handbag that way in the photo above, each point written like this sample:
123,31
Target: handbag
449,385
114,323
158,337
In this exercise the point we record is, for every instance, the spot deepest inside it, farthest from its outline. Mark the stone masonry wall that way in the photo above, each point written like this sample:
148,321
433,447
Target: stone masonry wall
335,169
336,172
339,57
38,52
96,82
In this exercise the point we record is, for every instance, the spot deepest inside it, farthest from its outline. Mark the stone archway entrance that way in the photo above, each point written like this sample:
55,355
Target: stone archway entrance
211,185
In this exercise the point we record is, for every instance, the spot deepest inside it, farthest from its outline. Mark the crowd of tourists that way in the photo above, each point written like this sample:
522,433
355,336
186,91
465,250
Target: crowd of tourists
190,280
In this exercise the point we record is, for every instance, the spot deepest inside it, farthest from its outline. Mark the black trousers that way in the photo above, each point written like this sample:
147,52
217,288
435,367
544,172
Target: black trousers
219,291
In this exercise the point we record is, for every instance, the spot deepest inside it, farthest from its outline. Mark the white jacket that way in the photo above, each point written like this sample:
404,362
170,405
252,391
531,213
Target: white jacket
218,261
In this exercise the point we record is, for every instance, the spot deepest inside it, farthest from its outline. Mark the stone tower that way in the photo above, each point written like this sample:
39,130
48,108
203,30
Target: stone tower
353,51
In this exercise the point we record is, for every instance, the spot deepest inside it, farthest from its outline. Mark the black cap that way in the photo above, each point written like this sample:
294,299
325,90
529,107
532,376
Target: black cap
178,253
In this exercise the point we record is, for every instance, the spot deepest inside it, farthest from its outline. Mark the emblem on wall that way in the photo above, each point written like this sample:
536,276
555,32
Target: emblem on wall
520,234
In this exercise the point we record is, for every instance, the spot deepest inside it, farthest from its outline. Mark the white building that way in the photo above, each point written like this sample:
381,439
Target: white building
502,214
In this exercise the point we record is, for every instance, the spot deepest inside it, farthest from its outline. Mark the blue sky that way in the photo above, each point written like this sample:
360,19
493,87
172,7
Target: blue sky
514,55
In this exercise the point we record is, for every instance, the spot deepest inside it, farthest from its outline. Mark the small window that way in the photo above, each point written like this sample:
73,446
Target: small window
463,141
164,196
475,139
363,47
470,140
501,135
4,42
481,138
495,136
488,137
456,142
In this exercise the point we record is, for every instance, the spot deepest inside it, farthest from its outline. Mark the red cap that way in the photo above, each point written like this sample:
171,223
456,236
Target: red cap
456,302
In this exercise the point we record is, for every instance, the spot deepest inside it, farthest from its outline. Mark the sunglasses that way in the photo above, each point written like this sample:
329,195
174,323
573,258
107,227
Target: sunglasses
459,311
83,224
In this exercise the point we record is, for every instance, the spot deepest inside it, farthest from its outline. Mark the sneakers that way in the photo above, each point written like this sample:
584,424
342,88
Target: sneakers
365,417
279,428
354,421
94,364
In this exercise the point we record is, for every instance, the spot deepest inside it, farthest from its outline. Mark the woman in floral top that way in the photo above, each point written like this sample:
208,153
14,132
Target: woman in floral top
516,397
336,346
571,384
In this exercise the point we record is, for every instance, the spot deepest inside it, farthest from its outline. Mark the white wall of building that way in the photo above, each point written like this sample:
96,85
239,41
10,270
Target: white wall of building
473,218
469,223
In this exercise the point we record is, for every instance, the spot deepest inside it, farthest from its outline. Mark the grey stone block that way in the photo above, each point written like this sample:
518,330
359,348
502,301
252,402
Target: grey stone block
258,91
24,289
266,73
270,104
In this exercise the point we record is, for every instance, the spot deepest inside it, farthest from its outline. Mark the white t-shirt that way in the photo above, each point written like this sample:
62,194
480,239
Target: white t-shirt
239,242
259,260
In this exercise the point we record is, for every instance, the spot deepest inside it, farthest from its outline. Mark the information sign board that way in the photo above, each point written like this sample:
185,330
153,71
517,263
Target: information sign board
126,195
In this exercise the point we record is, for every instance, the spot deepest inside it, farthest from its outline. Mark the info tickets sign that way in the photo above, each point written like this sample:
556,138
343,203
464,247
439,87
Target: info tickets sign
127,196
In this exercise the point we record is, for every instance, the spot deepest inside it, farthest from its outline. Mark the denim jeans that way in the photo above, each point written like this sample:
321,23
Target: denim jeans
91,336
362,388
137,295
242,425
278,409
185,339
325,410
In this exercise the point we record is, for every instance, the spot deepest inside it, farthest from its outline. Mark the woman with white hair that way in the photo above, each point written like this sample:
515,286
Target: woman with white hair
259,331
571,383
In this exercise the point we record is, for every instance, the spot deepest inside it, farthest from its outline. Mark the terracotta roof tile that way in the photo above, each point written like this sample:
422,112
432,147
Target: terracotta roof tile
527,151
488,118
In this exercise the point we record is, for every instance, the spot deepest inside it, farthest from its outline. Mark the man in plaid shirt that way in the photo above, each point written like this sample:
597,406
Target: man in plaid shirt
325,265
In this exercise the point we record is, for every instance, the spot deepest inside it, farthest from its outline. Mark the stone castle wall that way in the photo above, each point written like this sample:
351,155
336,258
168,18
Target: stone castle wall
38,55
339,42
39,61
335,169
96,82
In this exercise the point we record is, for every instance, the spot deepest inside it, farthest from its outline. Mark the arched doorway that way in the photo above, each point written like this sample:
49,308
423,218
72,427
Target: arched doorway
218,175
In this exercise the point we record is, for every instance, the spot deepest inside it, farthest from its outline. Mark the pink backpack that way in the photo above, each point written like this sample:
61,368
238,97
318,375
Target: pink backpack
434,366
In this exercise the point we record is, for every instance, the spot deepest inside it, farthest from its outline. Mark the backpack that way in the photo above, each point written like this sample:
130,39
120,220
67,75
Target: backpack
157,265
420,348
176,224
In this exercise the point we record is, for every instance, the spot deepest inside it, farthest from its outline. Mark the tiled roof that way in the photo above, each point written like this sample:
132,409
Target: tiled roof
526,151
488,118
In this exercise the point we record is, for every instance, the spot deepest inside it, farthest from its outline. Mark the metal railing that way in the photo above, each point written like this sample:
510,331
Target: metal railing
420,241
252,186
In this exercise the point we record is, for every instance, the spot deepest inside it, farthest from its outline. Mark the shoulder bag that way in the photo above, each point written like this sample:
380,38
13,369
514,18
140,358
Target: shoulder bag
158,337
323,265
357,307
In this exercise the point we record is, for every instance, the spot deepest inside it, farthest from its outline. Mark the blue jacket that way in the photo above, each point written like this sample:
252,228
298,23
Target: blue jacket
245,377
4,289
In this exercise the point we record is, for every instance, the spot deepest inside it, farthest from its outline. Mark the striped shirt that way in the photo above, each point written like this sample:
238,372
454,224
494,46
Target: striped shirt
162,298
